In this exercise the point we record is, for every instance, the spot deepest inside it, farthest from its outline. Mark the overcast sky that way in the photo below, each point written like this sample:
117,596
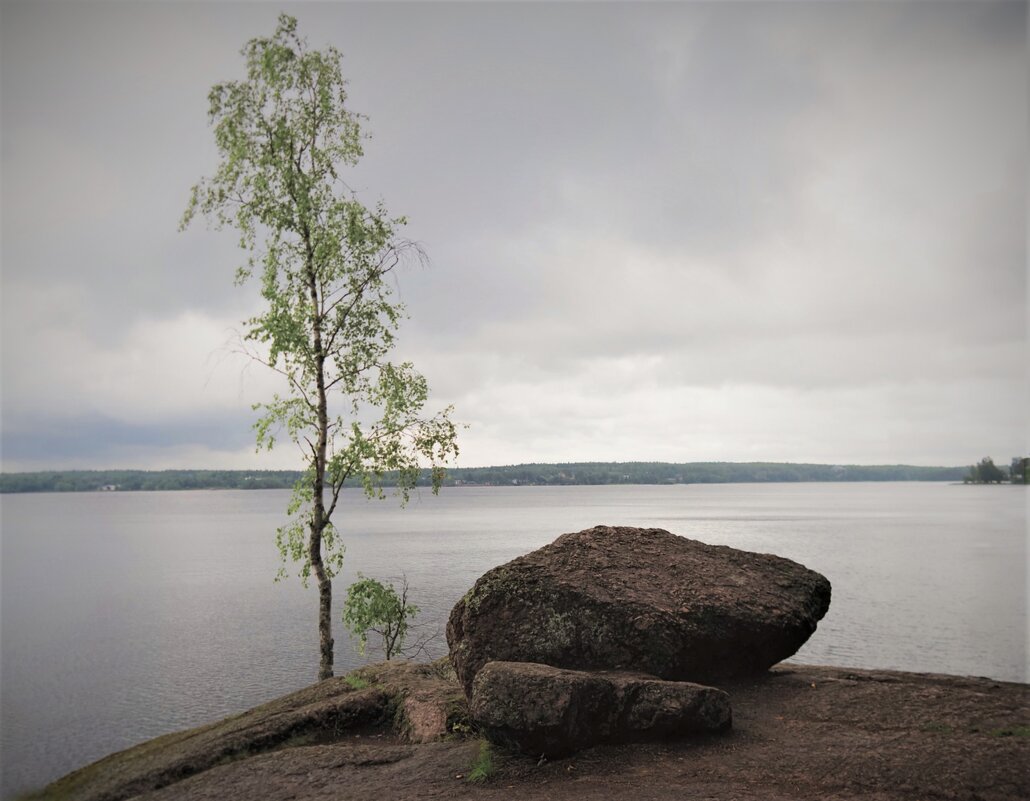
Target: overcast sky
680,231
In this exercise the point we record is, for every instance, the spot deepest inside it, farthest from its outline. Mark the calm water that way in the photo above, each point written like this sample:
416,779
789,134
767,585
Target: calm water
125,616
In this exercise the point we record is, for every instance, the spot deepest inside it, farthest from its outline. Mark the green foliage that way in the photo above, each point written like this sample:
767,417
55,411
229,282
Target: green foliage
693,473
324,262
372,606
355,682
131,480
526,474
482,767
461,728
1019,471
985,472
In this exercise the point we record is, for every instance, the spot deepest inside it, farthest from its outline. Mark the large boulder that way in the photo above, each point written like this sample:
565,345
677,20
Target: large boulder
617,598
546,710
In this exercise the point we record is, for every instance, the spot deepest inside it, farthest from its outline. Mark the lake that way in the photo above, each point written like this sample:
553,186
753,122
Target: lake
127,615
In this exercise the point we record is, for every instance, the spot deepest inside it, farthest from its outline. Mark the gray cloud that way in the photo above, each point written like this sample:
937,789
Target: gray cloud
779,230
96,440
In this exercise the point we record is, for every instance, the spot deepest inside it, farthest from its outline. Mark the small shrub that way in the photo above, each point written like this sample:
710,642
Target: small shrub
372,606
355,682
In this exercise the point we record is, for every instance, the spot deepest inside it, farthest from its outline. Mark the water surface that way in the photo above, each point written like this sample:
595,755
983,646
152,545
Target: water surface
128,615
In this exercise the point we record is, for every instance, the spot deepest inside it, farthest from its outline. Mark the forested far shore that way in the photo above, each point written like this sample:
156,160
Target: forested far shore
594,473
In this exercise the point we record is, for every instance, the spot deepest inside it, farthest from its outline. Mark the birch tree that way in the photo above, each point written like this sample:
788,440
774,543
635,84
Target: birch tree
324,261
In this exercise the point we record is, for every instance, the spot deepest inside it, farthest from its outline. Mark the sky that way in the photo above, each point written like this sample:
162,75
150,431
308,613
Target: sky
677,231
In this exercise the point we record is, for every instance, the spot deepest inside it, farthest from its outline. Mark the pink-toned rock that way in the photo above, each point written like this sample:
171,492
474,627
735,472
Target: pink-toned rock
425,716
618,598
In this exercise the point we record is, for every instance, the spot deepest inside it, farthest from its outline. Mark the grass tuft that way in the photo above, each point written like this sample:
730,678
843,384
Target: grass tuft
1012,731
482,767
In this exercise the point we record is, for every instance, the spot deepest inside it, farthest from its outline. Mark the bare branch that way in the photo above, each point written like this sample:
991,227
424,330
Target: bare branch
336,487
299,388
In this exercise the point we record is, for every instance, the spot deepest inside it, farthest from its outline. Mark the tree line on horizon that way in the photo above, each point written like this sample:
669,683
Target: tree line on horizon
987,472
562,474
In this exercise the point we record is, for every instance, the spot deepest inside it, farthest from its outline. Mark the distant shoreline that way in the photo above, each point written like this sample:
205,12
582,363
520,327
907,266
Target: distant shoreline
561,474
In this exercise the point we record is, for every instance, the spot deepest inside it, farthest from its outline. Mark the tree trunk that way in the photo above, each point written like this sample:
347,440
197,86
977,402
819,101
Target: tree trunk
325,619
318,525
318,516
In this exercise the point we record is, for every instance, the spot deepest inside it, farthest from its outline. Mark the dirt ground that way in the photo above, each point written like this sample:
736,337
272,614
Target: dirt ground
798,733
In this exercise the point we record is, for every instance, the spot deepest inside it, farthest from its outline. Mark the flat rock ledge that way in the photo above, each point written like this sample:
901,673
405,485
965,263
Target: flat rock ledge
543,710
800,733
417,703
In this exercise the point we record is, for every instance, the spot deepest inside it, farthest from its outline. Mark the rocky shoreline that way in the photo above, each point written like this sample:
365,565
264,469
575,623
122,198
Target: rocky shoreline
401,731
614,662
